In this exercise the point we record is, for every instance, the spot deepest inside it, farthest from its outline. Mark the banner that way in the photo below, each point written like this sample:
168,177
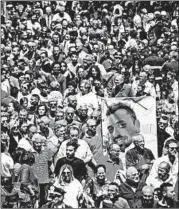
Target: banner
123,118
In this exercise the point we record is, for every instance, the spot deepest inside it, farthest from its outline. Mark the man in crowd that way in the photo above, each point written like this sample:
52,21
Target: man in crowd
60,63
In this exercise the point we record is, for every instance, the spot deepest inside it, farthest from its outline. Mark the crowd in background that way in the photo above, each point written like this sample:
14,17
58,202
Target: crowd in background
58,61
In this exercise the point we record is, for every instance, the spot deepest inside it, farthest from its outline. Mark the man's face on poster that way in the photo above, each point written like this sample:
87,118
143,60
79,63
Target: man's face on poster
123,125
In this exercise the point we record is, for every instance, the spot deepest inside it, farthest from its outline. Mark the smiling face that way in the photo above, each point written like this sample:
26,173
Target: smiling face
100,175
112,191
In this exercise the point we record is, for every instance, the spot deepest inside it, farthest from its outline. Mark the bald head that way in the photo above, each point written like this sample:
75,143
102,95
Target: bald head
130,171
164,165
91,122
147,190
163,171
45,120
119,79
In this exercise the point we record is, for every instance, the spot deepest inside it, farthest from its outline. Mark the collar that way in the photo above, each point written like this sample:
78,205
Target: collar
114,162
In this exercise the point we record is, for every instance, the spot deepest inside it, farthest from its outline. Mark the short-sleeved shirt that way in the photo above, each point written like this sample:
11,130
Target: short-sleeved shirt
111,167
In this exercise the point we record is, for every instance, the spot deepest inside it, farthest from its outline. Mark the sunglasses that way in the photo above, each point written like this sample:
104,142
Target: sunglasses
174,148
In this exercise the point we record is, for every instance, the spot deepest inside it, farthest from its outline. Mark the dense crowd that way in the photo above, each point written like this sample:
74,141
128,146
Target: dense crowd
58,61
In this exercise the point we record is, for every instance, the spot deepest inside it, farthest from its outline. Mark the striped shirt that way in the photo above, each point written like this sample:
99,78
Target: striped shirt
40,167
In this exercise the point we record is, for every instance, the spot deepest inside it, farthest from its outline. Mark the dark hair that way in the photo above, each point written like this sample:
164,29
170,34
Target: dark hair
165,185
55,63
72,83
22,100
100,166
114,184
133,34
15,105
14,91
28,158
158,191
73,144
36,96
17,154
172,140
42,105
98,76
113,108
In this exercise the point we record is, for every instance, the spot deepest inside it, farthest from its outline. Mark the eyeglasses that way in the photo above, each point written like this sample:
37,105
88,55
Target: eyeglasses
174,148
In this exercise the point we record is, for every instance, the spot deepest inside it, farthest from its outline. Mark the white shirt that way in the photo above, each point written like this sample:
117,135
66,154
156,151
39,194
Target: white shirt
155,182
89,99
150,89
57,17
175,89
173,170
74,191
7,164
83,151
24,143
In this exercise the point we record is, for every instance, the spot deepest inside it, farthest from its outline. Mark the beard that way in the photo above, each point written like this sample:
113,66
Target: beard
132,183
147,203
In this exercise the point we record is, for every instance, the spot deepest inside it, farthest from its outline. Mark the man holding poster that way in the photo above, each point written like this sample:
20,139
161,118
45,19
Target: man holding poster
124,118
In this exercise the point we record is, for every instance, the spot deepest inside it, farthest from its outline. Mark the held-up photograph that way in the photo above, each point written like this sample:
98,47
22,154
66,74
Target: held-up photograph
89,104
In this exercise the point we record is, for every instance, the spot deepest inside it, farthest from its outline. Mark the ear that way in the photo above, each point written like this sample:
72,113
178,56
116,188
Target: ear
137,125
164,193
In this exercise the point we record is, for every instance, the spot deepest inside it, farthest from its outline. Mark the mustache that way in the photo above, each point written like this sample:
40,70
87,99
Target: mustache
122,138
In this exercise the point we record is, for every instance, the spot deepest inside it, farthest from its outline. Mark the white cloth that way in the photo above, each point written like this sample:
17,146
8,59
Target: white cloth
57,17
155,182
173,170
74,191
7,164
24,143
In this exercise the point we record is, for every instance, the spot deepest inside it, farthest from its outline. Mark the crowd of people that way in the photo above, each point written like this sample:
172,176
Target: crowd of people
59,59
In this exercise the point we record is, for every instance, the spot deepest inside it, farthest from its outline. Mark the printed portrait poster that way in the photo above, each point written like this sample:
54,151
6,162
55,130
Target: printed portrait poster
121,125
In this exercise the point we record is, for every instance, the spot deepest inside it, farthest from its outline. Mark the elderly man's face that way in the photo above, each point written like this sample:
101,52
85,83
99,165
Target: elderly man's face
134,176
140,143
114,152
162,173
112,191
60,132
123,125
38,145
72,101
74,135
147,198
